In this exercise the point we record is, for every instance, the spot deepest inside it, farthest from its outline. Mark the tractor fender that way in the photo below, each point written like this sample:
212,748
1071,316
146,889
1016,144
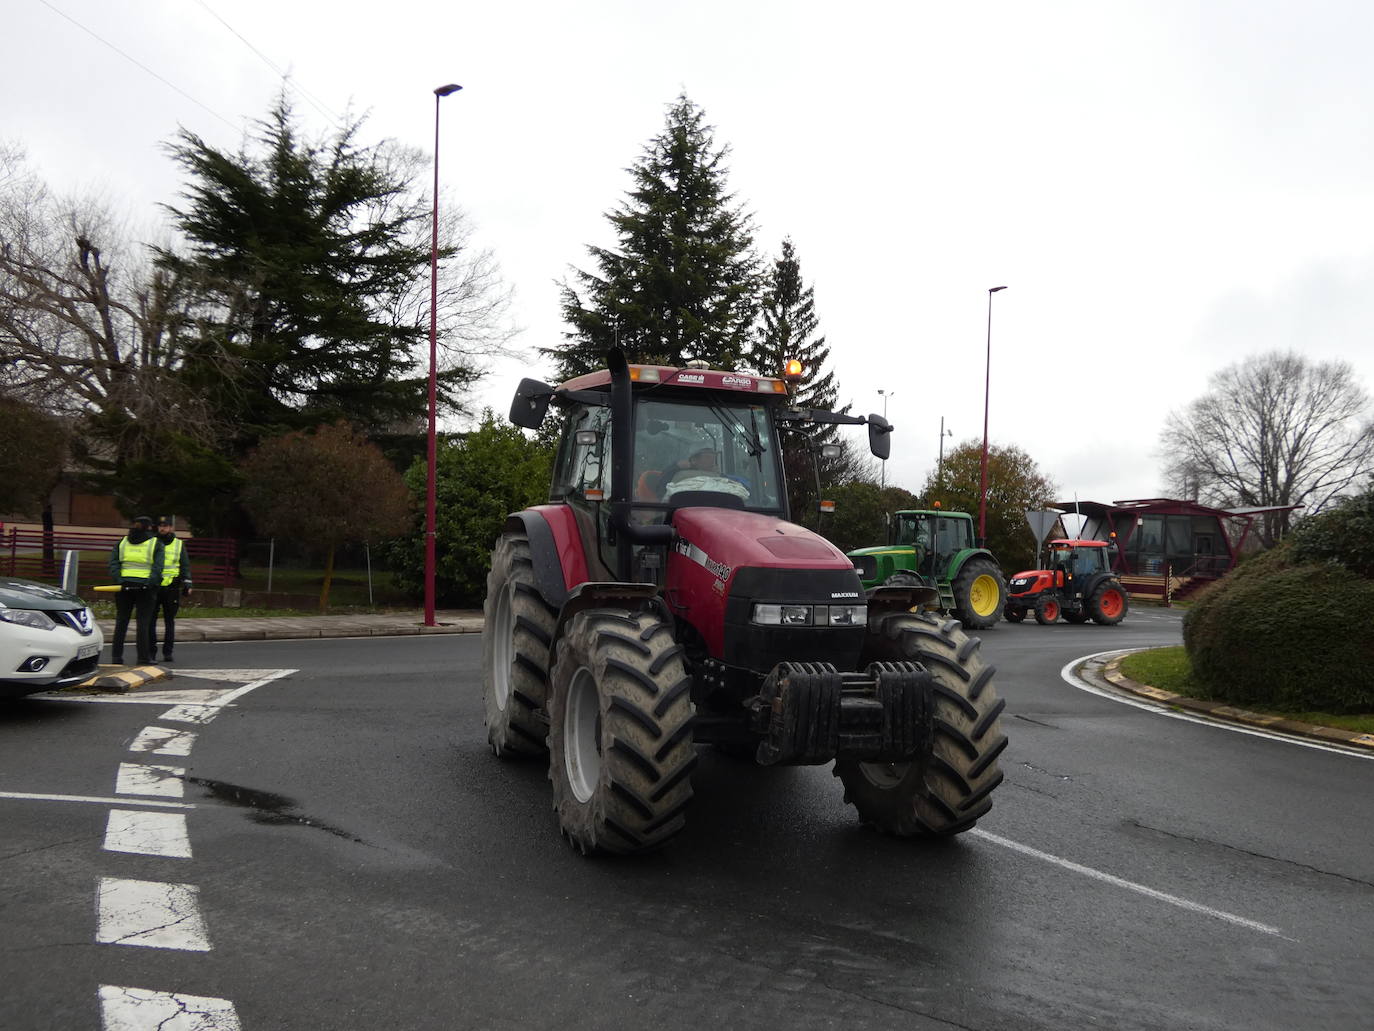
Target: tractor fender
883,601
555,548
960,557
629,596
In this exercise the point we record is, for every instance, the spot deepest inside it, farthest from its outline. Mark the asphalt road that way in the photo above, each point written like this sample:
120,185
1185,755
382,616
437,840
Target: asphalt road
359,859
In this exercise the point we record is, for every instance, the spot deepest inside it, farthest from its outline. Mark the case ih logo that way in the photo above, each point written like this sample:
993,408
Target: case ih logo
736,381
691,377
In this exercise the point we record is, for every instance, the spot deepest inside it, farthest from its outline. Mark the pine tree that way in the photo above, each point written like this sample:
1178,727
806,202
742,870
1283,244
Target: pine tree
683,281
788,328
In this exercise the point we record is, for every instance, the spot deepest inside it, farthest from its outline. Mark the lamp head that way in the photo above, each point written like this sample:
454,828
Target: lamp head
994,289
444,91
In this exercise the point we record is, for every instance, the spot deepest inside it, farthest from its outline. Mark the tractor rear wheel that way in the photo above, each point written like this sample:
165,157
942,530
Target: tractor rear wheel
1047,611
515,651
980,593
620,733
949,792
1109,603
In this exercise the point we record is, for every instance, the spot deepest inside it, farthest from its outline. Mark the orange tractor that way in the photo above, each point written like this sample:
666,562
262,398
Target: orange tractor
1079,585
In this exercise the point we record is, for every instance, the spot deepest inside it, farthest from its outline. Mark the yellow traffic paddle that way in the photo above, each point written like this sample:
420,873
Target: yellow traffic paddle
109,588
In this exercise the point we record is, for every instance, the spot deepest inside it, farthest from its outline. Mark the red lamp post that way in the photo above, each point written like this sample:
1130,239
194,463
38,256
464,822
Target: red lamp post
983,478
430,482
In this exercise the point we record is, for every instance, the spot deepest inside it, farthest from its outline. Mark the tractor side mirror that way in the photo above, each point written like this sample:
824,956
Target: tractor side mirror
531,404
879,437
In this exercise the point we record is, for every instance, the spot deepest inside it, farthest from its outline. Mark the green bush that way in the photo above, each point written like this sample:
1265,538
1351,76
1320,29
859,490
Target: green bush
1344,535
1286,635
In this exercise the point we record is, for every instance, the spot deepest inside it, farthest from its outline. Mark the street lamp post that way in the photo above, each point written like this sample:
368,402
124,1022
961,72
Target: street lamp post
983,476
430,480
940,462
885,394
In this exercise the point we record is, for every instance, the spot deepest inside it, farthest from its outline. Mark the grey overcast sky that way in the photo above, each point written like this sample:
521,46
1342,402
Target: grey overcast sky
1165,187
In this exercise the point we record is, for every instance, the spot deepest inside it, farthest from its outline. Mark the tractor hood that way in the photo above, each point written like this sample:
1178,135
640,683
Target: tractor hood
730,539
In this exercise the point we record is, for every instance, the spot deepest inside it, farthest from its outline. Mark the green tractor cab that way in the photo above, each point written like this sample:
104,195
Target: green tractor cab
935,549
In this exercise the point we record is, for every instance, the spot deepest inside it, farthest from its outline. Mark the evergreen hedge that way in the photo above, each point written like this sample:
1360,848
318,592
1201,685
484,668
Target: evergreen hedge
1293,629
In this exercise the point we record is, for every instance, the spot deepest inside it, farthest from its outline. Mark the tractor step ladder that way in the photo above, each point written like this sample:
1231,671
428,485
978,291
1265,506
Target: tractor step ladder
946,597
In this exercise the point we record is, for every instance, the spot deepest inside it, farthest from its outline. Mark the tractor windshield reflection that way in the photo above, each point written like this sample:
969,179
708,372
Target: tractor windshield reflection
711,447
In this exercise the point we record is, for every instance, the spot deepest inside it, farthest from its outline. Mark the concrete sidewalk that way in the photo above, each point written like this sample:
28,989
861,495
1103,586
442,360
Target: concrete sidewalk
277,628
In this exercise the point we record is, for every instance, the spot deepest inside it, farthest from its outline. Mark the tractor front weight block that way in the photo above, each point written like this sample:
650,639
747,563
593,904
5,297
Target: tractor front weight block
810,714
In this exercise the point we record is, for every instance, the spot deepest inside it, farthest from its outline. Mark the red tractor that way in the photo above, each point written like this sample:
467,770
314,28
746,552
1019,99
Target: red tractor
662,600
1079,585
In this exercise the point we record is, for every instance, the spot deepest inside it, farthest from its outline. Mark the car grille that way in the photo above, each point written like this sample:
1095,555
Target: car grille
78,619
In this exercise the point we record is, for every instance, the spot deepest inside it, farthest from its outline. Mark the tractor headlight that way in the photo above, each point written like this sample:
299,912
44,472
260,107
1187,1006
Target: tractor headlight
783,615
810,615
848,615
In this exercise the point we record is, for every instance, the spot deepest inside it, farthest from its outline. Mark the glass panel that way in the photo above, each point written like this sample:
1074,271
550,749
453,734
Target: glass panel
720,447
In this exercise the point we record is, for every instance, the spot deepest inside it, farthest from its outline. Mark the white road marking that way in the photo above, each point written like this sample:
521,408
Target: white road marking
164,741
138,1009
152,914
32,796
1106,878
1073,680
147,834
200,714
141,696
138,779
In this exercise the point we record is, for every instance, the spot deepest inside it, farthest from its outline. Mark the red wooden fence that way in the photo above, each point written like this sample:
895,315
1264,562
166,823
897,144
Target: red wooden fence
37,555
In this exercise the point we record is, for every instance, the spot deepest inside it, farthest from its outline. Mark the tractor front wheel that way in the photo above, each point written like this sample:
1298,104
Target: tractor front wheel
948,792
620,733
1109,603
515,651
1047,611
980,593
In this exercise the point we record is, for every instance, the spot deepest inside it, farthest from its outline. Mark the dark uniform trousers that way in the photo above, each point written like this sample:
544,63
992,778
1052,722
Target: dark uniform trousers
167,606
141,603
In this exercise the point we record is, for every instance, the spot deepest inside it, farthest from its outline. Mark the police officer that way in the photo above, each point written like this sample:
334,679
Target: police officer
176,584
136,564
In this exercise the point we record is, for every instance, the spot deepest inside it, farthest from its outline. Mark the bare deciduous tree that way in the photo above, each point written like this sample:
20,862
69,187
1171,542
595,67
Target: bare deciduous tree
88,329
1275,430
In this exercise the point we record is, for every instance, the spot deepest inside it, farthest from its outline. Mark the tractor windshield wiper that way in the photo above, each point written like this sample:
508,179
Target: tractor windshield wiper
750,436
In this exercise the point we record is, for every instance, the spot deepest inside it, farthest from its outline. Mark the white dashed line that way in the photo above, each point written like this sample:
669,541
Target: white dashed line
137,1009
138,779
152,914
164,741
32,796
147,834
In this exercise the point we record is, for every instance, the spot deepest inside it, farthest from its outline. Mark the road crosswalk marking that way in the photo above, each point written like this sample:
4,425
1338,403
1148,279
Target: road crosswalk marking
152,914
147,833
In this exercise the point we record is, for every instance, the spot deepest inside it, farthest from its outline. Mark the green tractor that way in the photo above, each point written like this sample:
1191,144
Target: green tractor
932,548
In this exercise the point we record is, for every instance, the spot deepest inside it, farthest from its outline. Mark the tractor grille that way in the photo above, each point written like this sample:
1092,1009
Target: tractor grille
867,567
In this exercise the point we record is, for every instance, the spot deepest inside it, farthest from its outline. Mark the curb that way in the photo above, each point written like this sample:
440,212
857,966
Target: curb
1111,672
122,679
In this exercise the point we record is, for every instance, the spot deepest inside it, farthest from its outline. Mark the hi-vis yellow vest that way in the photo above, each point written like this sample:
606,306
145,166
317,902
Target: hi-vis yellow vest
136,560
171,560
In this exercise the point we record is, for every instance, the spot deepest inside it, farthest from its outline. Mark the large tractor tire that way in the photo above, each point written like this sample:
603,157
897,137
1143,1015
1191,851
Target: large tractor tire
515,651
980,594
620,733
1109,603
948,793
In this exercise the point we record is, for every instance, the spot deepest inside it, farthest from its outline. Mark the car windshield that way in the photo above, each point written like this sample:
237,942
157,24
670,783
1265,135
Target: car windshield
710,446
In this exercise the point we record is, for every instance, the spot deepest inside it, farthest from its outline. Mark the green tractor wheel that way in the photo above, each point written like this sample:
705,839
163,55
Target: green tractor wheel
980,593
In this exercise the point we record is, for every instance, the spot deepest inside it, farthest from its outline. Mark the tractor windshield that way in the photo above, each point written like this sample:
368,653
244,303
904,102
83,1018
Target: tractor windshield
681,446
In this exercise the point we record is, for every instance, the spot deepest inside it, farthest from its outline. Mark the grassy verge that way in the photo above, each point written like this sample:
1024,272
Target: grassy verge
1169,670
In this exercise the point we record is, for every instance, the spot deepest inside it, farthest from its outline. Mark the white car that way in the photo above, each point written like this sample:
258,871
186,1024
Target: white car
48,638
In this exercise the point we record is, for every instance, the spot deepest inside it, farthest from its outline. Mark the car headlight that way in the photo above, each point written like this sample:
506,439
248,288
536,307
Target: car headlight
32,618
810,615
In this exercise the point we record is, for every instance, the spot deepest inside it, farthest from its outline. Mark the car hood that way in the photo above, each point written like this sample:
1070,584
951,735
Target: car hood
17,593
